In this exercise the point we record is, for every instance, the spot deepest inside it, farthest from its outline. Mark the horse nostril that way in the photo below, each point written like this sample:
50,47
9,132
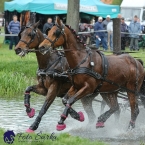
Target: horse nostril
18,50
42,47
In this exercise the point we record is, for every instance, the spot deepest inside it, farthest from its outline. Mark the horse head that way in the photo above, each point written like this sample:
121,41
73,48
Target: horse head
56,36
30,38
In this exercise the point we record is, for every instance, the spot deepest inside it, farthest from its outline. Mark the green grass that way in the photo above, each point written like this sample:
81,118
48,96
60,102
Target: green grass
61,139
16,73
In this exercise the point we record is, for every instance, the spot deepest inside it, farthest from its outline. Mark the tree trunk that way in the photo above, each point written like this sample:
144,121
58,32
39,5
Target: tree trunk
116,35
73,14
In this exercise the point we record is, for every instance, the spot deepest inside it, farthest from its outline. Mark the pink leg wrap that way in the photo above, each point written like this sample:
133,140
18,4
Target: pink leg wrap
29,130
82,118
31,113
99,124
60,127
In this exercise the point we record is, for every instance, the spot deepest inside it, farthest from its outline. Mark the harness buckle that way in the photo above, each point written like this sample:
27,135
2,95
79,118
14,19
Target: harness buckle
98,76
92,63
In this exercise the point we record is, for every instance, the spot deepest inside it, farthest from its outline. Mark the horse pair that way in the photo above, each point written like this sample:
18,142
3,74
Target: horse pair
47,85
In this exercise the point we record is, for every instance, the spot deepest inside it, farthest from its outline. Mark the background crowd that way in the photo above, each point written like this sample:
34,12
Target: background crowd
103,32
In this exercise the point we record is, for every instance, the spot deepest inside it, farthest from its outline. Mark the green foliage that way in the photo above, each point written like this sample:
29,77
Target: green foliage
15,73
2,4
117,2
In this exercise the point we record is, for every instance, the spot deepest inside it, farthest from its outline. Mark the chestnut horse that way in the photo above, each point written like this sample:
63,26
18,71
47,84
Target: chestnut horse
24,19
86,71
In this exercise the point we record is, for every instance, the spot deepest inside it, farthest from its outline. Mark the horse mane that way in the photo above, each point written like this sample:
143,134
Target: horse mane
76,36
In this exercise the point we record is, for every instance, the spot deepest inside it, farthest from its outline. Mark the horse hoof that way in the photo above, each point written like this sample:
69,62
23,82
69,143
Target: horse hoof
100,125
31,113
131,125
29,130
82,118
60,127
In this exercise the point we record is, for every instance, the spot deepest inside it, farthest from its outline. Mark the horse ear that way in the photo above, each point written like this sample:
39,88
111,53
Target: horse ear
36,24
58,21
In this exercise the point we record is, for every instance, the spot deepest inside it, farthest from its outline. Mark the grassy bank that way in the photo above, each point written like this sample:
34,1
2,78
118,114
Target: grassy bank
43,139
17,73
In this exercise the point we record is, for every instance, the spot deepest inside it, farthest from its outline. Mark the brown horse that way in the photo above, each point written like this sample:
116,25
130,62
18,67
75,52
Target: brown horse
86,71
24,18
50,84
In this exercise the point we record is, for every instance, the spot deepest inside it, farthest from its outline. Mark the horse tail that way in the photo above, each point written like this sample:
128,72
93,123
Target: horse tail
142,92
142,89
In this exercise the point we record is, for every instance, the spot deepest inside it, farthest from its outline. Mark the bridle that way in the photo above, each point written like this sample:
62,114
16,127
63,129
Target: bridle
57,36
33,33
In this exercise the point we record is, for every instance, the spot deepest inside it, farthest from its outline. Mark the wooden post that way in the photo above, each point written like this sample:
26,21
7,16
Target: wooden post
73,14
116,35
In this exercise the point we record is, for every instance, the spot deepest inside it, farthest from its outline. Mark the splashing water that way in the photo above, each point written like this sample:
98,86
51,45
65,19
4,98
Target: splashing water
13,117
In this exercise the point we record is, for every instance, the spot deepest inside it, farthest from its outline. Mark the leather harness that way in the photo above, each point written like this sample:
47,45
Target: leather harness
81,70
88,71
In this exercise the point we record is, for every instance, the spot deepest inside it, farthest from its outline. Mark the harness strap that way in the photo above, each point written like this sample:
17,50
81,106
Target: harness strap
85,70
105,70
55,62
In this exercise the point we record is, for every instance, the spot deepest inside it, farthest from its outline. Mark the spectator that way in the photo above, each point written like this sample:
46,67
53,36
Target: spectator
110,35
14,28
100,36
105,23
123,29
47,25
134,30
119,16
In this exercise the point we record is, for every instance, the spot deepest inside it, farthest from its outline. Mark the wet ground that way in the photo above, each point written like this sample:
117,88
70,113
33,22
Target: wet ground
13,117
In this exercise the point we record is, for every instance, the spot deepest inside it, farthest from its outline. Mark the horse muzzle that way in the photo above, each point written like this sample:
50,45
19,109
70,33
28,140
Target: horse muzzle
20,52
43,50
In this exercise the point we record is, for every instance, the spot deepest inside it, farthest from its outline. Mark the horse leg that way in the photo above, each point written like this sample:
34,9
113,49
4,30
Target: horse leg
113,107
37,89
134,109
74,97
103,104
87,104
76,115
106,101
51,95
117,114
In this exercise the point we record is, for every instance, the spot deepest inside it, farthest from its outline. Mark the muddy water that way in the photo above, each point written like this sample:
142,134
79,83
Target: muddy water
13,117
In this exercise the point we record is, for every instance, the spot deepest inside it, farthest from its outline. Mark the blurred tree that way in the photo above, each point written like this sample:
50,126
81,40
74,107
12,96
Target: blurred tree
117,2
2,4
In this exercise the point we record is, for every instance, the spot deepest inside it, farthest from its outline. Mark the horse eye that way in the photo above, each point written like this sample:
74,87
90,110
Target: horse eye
57,33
